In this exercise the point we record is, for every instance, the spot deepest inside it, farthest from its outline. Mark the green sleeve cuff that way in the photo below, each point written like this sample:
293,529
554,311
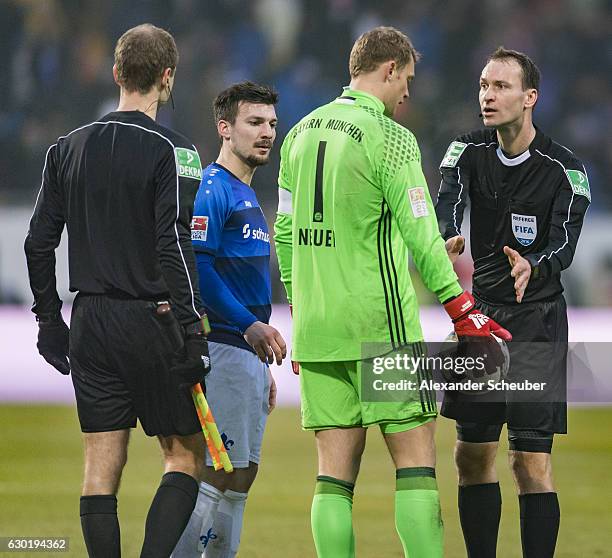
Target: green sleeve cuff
450,291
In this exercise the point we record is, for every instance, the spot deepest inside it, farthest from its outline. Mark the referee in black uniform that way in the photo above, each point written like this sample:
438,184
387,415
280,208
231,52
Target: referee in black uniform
528,196
124,187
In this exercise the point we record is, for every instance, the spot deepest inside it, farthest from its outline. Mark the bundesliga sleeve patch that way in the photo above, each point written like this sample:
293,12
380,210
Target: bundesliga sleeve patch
188,163
579,183
418,202
199,227
453,153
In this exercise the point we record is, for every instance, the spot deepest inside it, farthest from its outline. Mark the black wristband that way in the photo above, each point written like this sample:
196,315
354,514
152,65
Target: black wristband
49,318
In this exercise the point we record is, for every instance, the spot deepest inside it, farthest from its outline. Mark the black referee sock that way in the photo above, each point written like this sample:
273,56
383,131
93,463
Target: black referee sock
480,512
100,526
168,515
540,516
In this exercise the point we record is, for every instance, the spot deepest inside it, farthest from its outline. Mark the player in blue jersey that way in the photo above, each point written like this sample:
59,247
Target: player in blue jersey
232,246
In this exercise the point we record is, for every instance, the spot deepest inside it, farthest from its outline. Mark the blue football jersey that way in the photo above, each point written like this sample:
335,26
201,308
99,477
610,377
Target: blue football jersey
230,236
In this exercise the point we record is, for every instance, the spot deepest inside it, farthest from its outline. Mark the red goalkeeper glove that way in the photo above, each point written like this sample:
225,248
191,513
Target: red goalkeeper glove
470,322
295,366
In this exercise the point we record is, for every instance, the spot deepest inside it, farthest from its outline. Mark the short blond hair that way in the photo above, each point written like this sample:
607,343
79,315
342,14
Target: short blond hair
380,45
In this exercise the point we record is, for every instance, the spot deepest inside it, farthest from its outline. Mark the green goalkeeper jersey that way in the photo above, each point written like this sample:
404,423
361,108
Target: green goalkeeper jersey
353,202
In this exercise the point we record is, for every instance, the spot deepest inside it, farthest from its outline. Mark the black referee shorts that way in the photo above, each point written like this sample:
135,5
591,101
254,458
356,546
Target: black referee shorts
538,353
120,353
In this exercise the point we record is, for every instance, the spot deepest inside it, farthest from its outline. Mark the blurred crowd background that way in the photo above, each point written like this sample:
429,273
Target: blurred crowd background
58,55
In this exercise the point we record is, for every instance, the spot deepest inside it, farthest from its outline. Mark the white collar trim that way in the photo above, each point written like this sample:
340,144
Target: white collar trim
515,160
345,101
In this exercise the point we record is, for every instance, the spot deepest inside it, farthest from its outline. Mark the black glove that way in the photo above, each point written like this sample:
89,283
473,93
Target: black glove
53,344
192,363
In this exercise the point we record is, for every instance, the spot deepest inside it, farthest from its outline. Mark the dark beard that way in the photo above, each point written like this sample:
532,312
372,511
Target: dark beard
253,161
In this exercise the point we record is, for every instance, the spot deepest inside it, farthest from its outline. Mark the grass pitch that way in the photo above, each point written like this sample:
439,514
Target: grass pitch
41,467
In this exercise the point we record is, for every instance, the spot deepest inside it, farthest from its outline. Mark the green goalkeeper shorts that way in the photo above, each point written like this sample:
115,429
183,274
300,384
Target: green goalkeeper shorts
331,398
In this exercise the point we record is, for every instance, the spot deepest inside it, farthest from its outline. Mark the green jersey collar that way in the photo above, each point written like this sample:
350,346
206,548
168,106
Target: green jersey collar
364,99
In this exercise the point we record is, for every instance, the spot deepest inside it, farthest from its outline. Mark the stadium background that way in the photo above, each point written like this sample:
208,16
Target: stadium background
56,67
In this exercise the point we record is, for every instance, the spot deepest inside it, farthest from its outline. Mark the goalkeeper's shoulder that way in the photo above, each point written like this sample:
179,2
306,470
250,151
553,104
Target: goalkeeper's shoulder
399,143
312,120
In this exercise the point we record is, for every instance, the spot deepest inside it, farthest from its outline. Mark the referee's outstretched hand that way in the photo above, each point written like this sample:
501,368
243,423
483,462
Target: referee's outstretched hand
521,271
454,247
53,343
192,362
267,342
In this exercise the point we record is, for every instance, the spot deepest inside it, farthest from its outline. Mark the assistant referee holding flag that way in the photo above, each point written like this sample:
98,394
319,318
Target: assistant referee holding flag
124,187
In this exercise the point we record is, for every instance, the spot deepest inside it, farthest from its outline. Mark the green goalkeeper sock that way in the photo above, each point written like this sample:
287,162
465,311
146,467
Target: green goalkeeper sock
331,518
417,512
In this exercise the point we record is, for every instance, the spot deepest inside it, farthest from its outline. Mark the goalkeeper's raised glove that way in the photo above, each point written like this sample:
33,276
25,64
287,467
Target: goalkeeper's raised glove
53,343
470,322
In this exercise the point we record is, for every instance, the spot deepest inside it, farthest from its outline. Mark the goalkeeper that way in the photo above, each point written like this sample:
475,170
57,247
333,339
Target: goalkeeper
353,202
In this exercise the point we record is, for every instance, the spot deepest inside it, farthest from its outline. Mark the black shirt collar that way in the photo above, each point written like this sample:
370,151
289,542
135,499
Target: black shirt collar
128,116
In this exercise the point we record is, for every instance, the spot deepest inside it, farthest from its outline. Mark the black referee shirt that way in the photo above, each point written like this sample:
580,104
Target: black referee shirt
124,186
534,203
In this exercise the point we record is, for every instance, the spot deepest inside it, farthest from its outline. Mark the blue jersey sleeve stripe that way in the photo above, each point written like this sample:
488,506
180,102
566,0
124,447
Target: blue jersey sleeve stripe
247,278
252,214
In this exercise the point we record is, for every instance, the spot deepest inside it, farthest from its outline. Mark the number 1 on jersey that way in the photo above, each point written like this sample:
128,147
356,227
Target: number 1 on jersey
317,214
